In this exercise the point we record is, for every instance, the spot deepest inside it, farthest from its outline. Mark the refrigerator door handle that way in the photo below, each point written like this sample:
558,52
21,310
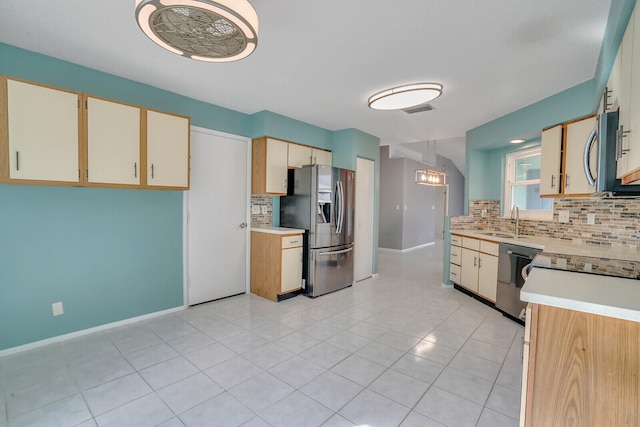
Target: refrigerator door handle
341,209
344,251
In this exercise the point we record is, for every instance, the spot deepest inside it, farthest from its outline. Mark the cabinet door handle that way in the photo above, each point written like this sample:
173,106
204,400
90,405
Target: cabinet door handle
17,160
454,274
553,181
135,169
479,262
151,170
566,181
475,261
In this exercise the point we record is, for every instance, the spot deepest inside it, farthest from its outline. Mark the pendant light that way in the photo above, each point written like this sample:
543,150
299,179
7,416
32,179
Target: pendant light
430,177
204,30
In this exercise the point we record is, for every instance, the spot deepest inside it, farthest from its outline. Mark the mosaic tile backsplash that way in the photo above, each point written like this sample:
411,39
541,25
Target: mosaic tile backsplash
262,205
616,221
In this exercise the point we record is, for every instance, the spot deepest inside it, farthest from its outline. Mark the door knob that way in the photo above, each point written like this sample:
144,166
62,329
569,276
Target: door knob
243,225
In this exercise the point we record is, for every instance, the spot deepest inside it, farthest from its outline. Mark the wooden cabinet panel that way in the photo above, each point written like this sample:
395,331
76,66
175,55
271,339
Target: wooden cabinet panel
575,180
167,150
43,136
550,162
113,142
583,370
276,264
269,166
299,155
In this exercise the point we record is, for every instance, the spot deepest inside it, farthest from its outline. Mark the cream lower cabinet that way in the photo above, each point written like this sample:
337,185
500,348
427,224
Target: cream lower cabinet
167,150
276,264
41,141
455,258
479,267
580,369
113,142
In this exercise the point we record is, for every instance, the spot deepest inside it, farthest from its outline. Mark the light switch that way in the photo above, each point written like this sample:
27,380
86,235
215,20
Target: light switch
57,309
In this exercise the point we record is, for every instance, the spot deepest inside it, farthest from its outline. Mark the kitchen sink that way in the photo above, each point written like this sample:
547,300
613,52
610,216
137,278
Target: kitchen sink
491,233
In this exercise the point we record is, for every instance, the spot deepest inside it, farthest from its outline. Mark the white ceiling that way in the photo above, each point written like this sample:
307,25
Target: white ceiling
319,61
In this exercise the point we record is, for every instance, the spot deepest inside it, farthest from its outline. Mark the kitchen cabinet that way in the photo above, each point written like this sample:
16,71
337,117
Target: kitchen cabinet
276,264
113,142
40,136
562,159
83,140
300,155
575,180
167,150
631,140
321,157
479,267
581,369
269,166
551,161
455,258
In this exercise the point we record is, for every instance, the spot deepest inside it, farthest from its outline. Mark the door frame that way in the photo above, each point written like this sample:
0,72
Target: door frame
185,215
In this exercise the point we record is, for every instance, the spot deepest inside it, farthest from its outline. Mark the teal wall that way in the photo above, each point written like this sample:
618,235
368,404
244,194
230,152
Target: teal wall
113,254
487,144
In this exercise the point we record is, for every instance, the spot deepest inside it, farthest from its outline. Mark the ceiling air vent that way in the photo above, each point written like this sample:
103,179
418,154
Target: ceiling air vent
418,109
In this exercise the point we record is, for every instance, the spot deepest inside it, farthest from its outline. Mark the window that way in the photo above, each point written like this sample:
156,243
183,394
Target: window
522,186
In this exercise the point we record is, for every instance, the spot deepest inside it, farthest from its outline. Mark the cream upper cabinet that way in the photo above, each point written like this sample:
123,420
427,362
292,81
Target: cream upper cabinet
43,133
167,150
299,155
551,160
625,56
575,179
632,139
322,157
269,166
113,142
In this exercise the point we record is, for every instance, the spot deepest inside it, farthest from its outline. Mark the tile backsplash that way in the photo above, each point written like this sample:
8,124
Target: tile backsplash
616,221
262,205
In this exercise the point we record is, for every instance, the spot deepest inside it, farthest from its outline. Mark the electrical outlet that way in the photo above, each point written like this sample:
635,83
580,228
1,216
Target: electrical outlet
563,216
483,213
587,267
57,309
255,209
591,218
264,209
561,263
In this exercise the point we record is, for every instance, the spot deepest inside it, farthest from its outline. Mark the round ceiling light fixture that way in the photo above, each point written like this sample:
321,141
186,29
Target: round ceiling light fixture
405,96
204,30
516,141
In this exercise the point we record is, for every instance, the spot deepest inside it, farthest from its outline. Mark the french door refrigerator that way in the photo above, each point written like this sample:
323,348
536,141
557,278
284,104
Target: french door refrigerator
321,201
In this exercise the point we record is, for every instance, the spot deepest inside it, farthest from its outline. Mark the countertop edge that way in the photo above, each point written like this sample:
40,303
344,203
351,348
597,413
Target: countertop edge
564,289
277,230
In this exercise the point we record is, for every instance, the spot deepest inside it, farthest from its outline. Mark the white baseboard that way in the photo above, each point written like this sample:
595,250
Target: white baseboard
444,285
401,251
72,335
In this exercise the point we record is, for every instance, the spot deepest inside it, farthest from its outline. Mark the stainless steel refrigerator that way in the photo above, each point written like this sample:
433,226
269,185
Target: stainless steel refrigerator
321,201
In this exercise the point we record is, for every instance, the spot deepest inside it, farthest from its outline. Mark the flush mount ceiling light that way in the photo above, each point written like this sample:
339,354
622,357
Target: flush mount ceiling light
430,177
214,31
405,96
516,141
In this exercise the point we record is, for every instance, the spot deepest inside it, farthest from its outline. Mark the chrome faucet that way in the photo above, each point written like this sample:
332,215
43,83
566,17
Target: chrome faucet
516,210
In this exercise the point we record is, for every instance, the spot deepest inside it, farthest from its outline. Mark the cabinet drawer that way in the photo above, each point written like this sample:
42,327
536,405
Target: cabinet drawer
455,255
490,248
291,241
456,240
470,243
454,273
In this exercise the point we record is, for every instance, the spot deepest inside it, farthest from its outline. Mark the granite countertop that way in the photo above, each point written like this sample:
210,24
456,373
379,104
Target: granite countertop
277,230
588,293
557,246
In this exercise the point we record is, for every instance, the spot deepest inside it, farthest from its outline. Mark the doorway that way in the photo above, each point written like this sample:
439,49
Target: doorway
442,210
365,208
216,216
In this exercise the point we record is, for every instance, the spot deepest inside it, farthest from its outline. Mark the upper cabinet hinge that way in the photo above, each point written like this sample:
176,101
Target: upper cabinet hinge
86,105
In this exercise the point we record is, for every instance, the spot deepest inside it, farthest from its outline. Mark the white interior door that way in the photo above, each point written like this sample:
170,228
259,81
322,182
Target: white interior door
363,258
217,231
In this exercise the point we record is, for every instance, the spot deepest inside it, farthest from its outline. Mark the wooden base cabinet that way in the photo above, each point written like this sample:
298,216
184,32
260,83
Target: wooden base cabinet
276,264
580,369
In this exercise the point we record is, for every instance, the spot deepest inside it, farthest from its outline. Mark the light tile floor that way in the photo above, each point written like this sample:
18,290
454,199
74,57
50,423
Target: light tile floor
396,350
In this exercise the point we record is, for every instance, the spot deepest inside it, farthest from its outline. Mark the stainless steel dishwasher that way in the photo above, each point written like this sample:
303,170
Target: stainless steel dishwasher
512,260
